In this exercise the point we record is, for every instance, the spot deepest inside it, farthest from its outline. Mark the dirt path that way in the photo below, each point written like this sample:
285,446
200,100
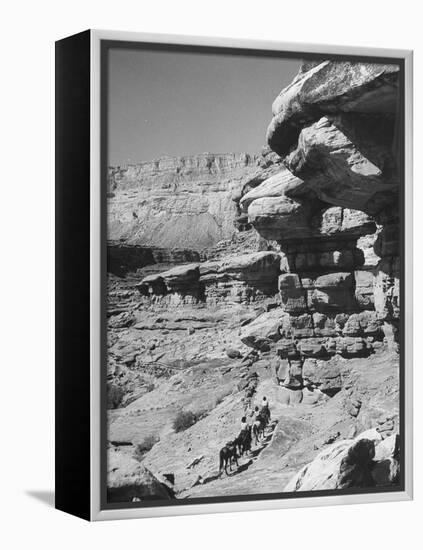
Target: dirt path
255,473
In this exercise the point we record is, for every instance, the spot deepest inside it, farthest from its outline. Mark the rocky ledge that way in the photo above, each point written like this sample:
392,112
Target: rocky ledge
240,278
334,210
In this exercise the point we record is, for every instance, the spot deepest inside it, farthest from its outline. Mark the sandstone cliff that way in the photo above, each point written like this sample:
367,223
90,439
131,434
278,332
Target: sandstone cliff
334,211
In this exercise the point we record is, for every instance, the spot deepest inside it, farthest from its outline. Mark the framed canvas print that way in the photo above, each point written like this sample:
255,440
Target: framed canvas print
234,292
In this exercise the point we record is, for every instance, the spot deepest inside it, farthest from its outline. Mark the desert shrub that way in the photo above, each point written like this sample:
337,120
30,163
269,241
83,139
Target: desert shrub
184,420
146,445
222,394
115,396
218,400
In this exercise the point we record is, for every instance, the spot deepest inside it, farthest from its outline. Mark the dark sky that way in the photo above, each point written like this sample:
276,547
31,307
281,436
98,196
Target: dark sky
168,103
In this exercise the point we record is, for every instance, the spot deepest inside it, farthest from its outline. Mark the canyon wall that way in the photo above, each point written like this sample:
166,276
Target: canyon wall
184,209
181,203
334,213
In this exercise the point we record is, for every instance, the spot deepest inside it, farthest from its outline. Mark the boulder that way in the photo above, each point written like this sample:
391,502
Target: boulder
248,264
324,374
294,379
152,285
280,218
292,293
128,480
366,243
353,347
302,326
346,463
259,270
330,292
275,186
365,323
364,282
287,349
388,448
372,435
348,87
233,353
242,277
336,171
386,470
311,396
342,223
263,332
323,325
283,370
312,347
290,396
181,277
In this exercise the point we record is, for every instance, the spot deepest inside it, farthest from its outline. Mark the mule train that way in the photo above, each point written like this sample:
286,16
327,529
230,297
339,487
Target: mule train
229,454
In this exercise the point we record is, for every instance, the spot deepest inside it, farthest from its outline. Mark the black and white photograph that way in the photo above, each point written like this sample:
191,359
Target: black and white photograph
211,275
253,311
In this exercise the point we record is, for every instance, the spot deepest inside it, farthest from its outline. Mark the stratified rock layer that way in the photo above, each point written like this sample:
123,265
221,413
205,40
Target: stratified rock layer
334,213
347,89
241,278
183,203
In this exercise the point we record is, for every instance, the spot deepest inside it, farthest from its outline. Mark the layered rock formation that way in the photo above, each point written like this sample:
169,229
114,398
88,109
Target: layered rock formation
334,213
184,209
240,278
125,258
183,203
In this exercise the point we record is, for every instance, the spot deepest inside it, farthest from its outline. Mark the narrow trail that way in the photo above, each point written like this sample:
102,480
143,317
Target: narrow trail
249,458
254,454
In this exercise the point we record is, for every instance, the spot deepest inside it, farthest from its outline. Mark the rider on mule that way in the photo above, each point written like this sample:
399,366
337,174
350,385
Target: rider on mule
265,411
256,417
244,438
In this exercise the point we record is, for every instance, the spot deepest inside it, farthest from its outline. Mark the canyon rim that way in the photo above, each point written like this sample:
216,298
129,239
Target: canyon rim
240,278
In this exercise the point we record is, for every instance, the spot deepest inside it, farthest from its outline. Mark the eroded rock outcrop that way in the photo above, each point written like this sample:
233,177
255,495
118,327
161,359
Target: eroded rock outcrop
348,89
365,461
130,481
241,278
334,213
125,258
